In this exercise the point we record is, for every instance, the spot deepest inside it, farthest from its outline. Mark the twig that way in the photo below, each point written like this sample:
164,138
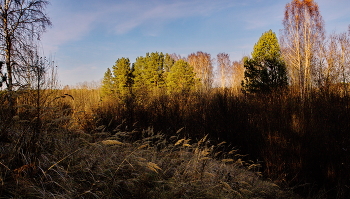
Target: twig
62,159
5,166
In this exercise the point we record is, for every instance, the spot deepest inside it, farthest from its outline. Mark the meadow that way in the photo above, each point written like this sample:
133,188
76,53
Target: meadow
69,143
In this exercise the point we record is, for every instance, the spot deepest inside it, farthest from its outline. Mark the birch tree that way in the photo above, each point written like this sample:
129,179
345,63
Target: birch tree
21,23
302,36
237,76
334,67
203,67
224,68
344,48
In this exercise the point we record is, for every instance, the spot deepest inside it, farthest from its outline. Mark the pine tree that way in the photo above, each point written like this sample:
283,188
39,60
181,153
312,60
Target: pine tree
181,77
108,87
154,70
138,75
122,77
148,73
266,70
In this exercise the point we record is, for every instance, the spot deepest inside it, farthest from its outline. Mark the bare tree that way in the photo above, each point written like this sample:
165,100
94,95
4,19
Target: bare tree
224,68
237,76
21,22
344,43
176,57
203,67
326,70
301,38
333,66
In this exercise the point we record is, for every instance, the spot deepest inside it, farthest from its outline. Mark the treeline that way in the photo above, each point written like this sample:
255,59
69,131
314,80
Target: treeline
169,73
151,73
293,114
293,118
304,59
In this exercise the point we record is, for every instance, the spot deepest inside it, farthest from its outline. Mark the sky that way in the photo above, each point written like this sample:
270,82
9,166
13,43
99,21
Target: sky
88,36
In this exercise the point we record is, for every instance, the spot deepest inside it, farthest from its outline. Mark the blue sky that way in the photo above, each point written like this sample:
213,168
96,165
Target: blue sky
88,36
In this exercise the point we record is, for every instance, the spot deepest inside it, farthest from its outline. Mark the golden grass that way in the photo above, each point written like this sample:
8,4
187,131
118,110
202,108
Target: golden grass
87,148
152,167
111,142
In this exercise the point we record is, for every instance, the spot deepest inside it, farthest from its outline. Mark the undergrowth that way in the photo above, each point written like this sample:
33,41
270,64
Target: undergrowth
171,146
110,166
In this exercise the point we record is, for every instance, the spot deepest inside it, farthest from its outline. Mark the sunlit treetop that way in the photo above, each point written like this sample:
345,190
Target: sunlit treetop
267,47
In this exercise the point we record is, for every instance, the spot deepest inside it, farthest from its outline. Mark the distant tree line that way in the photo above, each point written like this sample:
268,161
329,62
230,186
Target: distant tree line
152,73
304,60
157,72
314,60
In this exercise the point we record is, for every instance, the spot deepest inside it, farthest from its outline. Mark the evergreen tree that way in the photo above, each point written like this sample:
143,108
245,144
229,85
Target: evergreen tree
122,76
108,86
148,72
138,77
154,70
266,70
181,77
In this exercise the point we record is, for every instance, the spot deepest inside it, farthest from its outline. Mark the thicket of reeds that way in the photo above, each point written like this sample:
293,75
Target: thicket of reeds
74,145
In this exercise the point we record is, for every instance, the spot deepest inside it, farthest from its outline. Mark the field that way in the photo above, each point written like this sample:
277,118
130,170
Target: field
215,144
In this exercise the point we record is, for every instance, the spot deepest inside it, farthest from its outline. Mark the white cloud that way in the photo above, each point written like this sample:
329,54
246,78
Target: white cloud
263,15
75,20
67,26
335,14
71,24
158,13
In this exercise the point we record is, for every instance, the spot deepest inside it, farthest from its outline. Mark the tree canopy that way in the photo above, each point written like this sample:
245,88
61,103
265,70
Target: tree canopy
181,77
108,87
302,37
21,23
202,64
149,74
266,70
122,76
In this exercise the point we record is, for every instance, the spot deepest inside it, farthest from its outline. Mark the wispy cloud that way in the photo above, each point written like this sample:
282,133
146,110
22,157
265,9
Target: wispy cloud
130,15
88,35
120,17
262,14
67,26
335,14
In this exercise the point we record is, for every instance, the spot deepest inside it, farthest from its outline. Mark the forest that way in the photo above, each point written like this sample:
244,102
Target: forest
274,124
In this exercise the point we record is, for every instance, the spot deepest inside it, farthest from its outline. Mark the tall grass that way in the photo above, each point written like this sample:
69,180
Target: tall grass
109,162
133,147
302,143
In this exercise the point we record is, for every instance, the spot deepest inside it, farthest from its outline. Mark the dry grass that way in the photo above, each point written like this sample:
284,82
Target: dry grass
152,167
301,143
87,148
